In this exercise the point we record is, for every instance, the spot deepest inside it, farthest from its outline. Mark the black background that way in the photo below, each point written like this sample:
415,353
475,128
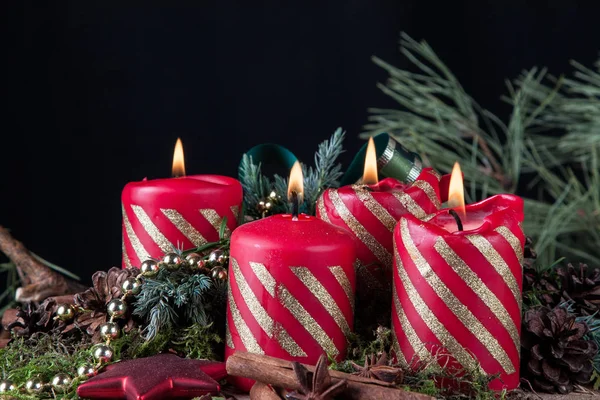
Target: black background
96,93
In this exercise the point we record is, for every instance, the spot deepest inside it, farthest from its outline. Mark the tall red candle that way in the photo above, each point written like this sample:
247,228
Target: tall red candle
162,214
457,294
291,289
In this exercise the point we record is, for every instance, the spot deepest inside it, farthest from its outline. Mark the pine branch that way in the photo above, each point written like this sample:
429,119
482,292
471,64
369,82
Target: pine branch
173,298
440,121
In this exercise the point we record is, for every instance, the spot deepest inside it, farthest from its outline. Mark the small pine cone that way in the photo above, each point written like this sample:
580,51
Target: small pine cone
555,353
106,287
581,286
31,319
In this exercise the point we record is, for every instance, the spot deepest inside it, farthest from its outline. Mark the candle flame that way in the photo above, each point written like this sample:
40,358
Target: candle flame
296,183
456,192
370,171
178,162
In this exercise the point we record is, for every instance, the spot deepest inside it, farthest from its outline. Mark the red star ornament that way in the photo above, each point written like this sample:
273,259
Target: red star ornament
158,377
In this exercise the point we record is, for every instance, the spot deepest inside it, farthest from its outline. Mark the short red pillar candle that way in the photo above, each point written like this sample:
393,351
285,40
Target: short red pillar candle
369,213
187,211
457,294
291,289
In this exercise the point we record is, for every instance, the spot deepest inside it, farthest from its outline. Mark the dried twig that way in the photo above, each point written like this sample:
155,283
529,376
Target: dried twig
38,281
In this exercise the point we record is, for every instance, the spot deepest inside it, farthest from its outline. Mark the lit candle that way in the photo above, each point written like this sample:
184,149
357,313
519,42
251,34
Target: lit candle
457,292
186,211
369,211
291,286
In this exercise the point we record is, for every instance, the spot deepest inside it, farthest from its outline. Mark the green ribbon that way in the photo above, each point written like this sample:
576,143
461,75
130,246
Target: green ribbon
270,153
393,160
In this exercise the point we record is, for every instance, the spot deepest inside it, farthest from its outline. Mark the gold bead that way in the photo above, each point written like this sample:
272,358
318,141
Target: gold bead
192,259
102,353
109,330
219,273
34,385
86,371
149,268
171,261
203,267
131,286
116,308
7,386
65,312
61,381
273,195
217,257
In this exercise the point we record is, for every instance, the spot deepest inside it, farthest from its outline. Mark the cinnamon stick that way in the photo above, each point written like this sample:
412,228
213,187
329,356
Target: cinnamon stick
278,372
38,280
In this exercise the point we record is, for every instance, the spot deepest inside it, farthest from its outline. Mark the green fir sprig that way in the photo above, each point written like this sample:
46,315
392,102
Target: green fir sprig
325,174
182,298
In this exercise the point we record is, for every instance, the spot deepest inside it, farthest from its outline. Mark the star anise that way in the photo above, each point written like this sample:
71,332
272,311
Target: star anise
320,387
378,369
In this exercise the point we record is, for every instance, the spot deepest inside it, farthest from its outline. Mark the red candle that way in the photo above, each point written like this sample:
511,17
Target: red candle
369,212
184,212
457,294
291,289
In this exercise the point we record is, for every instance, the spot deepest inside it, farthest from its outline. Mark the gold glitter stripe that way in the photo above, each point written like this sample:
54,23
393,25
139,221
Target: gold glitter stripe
324,297
214,219
429,191
306,320
126,259
235,210
495,259
184,227
264,276
287,342
514,241
481,290
242,328
432,322
156,235
361,233
410,204
461,311
410,333
228,339
256,309
342,278
376,209
321,206
137,246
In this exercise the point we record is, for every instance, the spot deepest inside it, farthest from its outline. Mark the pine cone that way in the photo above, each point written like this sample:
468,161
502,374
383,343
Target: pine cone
556,355
581,287
106,287
30,319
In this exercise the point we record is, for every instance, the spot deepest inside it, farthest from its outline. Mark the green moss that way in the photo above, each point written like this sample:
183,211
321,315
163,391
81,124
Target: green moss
44,356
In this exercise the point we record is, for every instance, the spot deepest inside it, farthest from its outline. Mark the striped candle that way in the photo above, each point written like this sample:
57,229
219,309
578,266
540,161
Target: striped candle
457,294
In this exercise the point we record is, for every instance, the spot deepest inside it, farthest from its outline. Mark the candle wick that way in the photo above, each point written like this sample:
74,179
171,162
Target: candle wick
295,205
367,188
457,219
